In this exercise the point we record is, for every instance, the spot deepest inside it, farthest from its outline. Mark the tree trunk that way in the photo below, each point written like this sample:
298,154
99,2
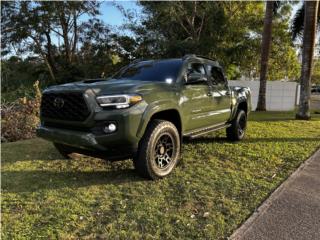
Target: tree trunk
49,68
44,57
49,54
64,23
309,36
75,38
265,49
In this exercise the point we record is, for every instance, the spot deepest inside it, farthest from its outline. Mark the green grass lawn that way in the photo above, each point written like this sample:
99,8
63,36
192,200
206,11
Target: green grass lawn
216,186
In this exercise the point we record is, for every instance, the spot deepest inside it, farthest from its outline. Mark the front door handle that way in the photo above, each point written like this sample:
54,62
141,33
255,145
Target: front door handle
209,94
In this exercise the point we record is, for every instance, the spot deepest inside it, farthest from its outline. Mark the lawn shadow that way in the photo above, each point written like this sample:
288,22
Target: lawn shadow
208,139
285,139
35,180
271,119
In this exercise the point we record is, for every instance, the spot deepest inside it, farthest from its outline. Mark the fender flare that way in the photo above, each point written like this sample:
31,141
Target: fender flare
153,108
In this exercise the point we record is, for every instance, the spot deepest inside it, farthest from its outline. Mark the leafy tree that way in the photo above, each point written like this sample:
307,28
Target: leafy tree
223,30
95,54
30,27
230,32
283,60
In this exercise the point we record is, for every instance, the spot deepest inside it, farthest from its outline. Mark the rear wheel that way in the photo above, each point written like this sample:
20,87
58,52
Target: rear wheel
159,150
238,126
64,150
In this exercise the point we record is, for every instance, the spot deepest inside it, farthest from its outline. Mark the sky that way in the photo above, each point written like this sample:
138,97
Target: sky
110,14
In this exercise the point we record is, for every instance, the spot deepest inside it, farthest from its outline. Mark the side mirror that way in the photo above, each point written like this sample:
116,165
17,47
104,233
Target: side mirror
194,78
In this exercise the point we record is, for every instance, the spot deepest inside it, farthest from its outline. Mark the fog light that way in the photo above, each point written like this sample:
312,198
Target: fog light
109,128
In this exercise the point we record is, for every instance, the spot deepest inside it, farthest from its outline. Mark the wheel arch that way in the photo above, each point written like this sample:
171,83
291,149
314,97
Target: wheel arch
170,114
241,104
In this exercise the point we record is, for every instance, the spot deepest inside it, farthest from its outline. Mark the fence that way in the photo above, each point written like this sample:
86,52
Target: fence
280,96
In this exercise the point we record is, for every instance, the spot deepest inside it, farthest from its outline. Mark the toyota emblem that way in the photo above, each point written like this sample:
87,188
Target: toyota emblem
58,102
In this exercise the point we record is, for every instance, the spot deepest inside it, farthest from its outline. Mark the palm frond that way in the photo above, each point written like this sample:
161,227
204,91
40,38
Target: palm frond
298,23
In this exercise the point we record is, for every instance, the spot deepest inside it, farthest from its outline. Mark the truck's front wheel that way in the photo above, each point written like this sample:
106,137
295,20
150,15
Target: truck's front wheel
238,126
159,150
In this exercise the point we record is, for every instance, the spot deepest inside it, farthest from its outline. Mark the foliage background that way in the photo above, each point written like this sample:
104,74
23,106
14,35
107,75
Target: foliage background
58,42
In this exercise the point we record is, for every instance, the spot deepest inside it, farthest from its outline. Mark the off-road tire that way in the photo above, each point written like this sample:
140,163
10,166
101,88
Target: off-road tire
64,150
237,130
156,146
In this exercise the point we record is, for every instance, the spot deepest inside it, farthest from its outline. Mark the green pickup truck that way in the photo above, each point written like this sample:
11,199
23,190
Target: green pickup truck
144,112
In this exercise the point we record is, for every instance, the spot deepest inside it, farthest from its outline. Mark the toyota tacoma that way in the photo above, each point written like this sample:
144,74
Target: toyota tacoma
144,112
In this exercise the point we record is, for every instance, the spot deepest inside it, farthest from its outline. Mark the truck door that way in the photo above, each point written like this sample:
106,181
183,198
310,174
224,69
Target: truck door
196,97
220,93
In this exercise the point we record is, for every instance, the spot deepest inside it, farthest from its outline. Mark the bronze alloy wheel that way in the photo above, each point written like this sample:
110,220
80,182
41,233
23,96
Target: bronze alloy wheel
164,150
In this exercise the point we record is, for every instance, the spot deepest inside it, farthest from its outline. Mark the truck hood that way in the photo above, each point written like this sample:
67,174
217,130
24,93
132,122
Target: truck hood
113,86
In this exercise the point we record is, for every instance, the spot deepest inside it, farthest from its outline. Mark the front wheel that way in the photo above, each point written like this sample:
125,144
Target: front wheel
159,150
236,131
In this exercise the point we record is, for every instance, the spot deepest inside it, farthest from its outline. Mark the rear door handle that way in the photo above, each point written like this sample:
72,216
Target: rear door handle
209,94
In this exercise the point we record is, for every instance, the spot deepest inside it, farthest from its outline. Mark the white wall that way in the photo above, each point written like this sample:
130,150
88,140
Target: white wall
280,96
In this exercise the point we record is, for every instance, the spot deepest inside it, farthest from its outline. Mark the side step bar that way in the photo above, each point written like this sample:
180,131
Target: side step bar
202,131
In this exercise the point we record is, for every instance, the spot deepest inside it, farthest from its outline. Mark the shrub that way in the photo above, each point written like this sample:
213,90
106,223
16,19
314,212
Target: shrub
20,119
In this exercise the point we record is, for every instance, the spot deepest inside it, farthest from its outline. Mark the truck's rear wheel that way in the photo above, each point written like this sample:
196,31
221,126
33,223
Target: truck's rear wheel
64,150
236,131
159,150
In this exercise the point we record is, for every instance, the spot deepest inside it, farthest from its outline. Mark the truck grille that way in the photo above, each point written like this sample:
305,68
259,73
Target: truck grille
69,106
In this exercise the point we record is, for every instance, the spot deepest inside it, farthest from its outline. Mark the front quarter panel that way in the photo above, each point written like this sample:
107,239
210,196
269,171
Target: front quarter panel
157,102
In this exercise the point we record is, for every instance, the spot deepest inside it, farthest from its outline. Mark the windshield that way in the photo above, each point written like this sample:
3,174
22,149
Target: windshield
161,71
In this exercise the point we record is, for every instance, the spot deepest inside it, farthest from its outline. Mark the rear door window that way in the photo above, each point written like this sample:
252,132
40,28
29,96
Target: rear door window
215,75
196,68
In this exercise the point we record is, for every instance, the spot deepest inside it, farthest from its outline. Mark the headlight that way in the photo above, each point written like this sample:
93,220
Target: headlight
119,101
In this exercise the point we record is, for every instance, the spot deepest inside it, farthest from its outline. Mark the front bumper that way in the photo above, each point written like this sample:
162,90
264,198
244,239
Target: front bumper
71,138
89,143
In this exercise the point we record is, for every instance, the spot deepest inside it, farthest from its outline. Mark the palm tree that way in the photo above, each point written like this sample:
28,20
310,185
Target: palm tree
271,8
310,12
